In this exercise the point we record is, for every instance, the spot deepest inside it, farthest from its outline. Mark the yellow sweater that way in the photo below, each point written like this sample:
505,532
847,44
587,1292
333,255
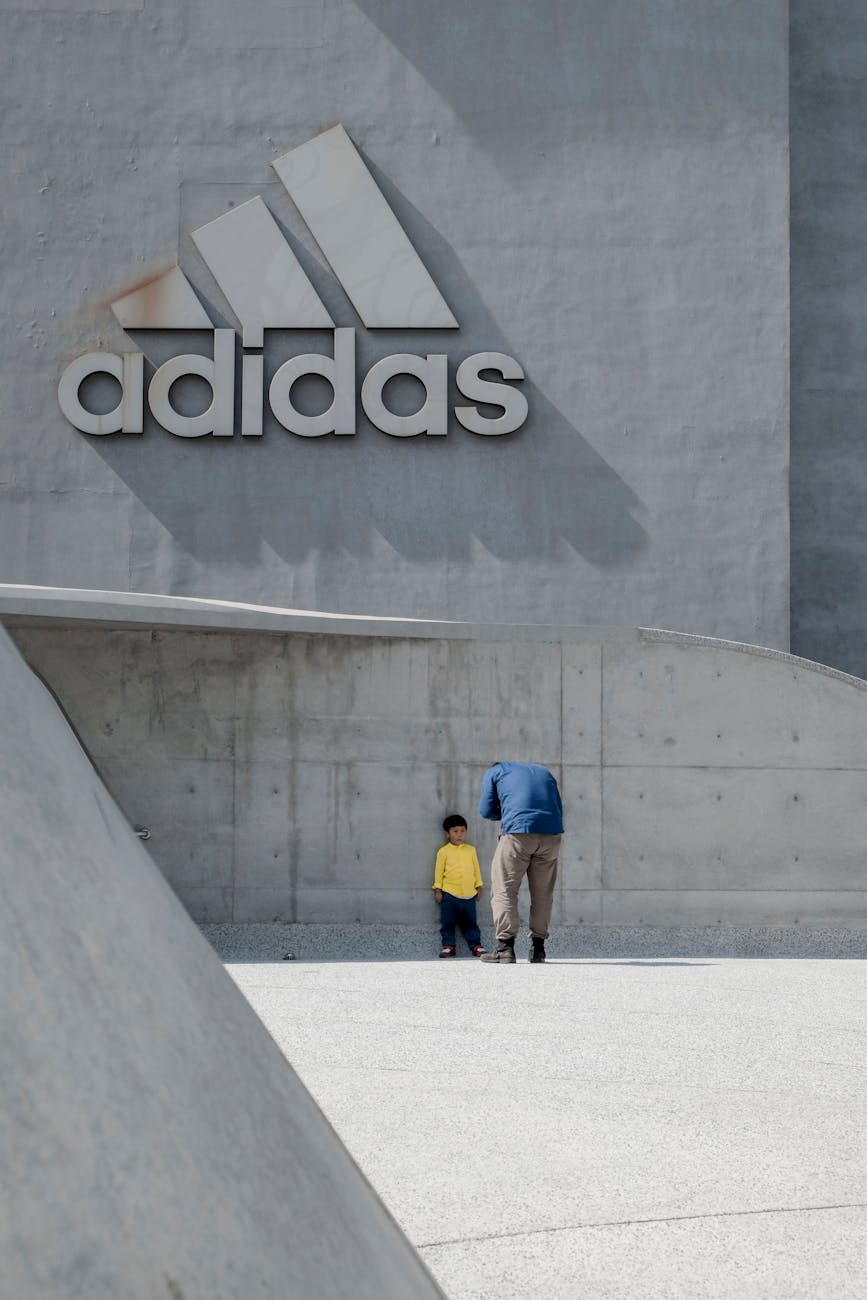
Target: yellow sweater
457,870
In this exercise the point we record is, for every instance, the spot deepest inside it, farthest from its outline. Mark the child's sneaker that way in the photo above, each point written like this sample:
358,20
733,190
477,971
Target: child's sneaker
477,950
447,951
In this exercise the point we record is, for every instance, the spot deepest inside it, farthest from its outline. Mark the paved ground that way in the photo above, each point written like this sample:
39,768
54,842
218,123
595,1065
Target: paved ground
611,1128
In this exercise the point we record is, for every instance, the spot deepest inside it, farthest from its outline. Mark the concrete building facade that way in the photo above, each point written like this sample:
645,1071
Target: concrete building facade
828,508
467,329
600,193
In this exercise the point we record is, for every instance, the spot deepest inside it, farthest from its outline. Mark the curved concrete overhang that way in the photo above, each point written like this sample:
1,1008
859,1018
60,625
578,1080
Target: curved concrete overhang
21,605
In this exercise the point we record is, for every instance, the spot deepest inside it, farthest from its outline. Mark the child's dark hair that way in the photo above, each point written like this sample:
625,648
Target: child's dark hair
453,819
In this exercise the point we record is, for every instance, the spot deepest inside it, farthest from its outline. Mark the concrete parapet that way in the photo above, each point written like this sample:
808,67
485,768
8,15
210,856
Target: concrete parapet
295,767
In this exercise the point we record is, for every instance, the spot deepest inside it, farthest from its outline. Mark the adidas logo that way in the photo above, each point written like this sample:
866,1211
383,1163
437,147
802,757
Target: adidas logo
267,288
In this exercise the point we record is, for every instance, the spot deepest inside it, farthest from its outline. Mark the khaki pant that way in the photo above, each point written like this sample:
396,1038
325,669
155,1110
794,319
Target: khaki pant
517,856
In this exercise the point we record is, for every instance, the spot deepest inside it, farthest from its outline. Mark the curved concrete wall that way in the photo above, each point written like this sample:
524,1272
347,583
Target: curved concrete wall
301,774
156,1145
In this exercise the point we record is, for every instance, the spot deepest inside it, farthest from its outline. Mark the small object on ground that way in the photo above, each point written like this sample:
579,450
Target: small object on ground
142,832
288,956
477,950
447,951
537,950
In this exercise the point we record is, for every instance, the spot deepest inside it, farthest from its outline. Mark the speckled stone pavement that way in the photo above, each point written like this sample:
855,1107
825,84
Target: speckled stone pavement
662,1124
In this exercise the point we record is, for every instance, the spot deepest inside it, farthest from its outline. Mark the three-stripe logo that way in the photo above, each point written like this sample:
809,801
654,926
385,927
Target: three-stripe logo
266,287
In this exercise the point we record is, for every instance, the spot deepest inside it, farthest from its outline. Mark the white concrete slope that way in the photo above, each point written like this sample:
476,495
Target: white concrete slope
155,1143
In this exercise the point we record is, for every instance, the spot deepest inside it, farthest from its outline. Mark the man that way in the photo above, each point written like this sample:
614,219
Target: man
524,798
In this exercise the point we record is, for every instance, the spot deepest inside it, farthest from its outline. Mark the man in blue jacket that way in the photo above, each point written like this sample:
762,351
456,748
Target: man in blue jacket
524,799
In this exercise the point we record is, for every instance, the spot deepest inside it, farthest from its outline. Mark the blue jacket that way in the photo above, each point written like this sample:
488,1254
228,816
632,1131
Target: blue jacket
523,797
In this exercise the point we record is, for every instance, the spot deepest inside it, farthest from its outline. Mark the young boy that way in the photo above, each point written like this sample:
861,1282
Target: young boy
457,884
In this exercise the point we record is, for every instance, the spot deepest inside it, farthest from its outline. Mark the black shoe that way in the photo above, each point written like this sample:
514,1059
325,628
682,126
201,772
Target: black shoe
537,952
505,954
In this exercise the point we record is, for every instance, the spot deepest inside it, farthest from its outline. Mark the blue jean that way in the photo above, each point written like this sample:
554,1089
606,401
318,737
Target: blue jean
458,912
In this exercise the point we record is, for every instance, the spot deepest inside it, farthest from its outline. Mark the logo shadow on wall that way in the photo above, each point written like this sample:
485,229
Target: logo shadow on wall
531,494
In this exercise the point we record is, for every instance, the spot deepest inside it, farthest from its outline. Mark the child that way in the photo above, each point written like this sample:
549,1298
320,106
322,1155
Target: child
457,884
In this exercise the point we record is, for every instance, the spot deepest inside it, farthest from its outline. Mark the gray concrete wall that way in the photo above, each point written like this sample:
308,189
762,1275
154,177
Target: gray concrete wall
599,190
156,1144
829,332
302,775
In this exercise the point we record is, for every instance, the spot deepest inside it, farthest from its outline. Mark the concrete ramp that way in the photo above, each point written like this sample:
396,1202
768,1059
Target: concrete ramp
154,1141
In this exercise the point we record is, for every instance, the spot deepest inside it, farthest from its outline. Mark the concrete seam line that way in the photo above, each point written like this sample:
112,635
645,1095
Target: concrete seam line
728,767
602,871
772,889
631,1223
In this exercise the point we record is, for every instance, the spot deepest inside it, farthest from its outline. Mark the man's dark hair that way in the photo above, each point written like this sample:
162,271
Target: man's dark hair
453,819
